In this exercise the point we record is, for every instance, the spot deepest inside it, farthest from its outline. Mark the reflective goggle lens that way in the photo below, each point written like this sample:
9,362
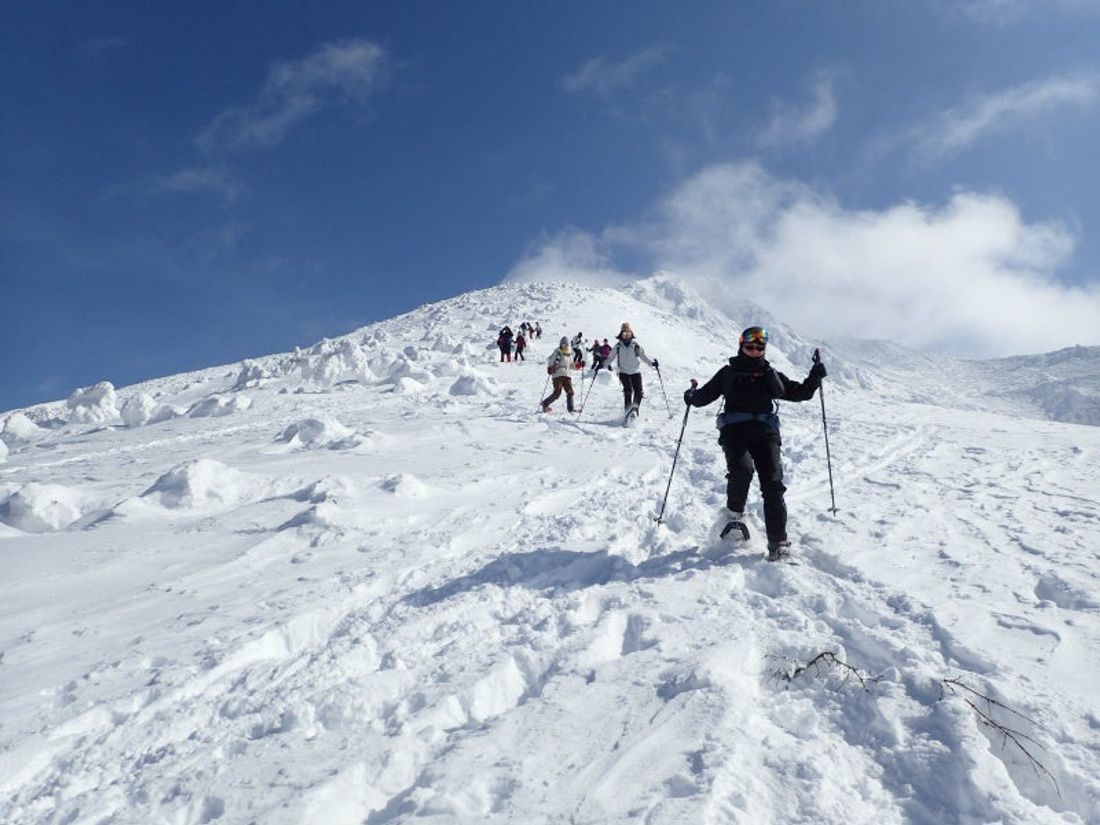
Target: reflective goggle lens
754,335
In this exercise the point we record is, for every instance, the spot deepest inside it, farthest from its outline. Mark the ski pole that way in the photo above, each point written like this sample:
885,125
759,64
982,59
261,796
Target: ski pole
665,394
542,395
584,403
825,427
687,411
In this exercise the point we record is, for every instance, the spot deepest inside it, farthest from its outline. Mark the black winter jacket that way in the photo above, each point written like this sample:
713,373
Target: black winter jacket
749,385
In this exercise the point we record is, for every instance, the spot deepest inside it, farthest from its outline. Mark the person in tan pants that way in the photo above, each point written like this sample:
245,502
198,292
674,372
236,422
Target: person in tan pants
558,365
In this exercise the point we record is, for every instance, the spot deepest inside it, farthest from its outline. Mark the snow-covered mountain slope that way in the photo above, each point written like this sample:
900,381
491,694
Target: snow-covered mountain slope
367,582
1059,386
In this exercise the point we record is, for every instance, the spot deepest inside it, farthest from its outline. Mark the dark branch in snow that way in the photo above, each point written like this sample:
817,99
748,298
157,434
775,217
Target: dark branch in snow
984,707
826,660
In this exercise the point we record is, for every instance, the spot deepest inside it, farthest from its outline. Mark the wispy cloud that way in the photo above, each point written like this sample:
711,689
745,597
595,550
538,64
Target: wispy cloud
958,128
100,47
349,71
793,124
996,11
1007,12
968,274
199,179
605,76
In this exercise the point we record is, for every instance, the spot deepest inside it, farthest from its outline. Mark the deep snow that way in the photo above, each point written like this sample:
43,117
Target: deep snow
367,582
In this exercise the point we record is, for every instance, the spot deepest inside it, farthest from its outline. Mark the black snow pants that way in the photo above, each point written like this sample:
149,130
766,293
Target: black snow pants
752,444
632,389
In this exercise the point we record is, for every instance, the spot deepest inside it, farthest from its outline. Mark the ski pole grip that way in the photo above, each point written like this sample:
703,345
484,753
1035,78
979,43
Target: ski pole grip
817,356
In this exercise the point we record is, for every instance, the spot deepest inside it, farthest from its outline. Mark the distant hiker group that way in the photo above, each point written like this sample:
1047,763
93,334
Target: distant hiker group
626,356
511,343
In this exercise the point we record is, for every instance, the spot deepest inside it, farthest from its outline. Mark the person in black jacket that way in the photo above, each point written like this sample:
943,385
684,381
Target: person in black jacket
504,341
749,429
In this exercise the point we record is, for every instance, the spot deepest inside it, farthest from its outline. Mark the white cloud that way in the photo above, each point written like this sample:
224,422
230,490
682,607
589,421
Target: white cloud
792,124
958,128
347,71
970,276
605,76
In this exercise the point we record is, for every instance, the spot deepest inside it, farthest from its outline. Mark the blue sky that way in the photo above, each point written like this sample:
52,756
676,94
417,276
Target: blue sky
187,184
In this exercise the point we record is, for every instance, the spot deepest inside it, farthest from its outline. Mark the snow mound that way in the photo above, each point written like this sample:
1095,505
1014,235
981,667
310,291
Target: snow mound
472,382
330,512
218,405
324,431
204,483
406,485
142,409
251,375
447,343
332,362
408,386
3,452
42,508
329,488
407,366
19,429
96,404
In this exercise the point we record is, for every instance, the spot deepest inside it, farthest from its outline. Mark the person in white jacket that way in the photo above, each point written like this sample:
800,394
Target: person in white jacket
627,357
558,365
578,349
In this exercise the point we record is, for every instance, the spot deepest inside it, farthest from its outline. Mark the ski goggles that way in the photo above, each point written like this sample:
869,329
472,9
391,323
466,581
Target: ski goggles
754,335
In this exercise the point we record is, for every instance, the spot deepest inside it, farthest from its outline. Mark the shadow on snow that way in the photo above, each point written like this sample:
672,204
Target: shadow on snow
557,570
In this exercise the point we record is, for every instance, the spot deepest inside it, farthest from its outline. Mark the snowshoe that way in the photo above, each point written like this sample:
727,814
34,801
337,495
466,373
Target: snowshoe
631,415
735,525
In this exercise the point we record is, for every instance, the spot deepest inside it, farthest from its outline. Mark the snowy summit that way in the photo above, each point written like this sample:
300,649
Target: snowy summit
370,582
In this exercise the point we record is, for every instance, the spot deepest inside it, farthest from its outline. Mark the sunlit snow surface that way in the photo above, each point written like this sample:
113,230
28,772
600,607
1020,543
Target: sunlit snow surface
368,582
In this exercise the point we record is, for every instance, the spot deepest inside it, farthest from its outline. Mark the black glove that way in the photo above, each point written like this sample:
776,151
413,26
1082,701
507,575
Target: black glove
818,371
689,394
655,364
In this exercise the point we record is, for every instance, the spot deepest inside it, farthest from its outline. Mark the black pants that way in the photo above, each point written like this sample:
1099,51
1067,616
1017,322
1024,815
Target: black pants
748,445
632,388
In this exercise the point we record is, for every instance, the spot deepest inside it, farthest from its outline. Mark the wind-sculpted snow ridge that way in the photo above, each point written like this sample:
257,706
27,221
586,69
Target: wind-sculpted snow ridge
390,591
